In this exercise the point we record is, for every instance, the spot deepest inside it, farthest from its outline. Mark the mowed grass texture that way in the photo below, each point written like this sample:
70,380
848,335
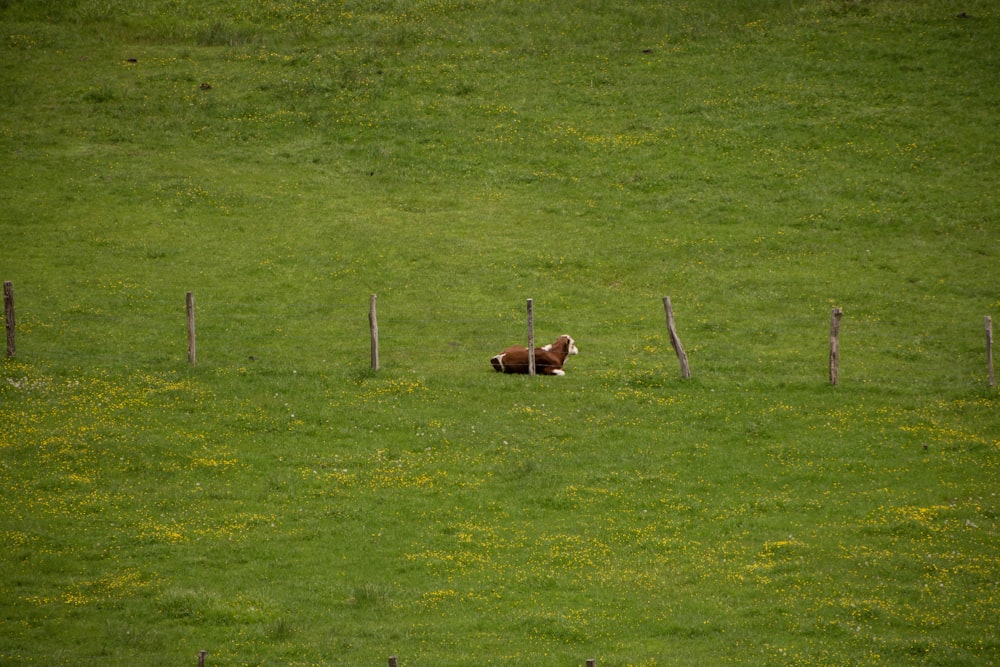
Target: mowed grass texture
280,503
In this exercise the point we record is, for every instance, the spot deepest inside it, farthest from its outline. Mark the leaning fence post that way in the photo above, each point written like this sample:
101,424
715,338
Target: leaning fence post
192,345
989,350
373,325
8,309
835,345
675,339
531,338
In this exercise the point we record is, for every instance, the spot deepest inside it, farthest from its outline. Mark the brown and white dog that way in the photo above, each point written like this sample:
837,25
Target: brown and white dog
549,359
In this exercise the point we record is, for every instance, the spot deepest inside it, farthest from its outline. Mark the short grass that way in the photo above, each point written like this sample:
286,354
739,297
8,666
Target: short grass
280,503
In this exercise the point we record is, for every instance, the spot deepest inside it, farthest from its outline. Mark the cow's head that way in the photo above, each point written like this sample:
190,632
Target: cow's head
570,345
564,345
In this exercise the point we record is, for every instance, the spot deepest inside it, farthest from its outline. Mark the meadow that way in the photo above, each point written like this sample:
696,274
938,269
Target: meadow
280,503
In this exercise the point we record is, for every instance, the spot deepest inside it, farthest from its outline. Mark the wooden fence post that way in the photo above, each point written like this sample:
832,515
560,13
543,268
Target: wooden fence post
989,350
201,657
373,325
392,661
192,344
835,345
591,663
8,309
531,338
675,340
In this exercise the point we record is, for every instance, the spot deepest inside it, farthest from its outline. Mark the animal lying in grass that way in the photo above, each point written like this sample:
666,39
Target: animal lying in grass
549,359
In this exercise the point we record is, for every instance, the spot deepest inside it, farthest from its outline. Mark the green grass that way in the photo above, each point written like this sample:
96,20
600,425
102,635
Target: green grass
280,503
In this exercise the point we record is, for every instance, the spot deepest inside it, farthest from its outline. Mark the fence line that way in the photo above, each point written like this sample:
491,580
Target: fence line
271,338
8,309
835,345
989,350
675,340
373,326
192,343
531,337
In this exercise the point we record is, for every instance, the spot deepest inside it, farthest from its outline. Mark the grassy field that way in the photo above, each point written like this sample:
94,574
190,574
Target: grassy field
760,162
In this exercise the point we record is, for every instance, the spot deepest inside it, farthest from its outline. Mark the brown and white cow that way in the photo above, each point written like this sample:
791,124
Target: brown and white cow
549,359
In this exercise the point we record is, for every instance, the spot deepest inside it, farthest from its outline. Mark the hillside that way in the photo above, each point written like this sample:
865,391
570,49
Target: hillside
279,502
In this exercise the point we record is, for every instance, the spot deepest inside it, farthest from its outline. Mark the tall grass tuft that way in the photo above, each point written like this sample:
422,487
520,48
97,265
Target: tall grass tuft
221,33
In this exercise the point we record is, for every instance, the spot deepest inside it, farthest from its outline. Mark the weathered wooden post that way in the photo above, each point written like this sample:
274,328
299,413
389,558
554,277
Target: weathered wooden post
531,338
392,661
192,343
8,310
373,325
675,340
835,345
989,350
201,657
591,663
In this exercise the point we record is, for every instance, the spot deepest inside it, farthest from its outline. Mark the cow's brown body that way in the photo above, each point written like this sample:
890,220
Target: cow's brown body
549,359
